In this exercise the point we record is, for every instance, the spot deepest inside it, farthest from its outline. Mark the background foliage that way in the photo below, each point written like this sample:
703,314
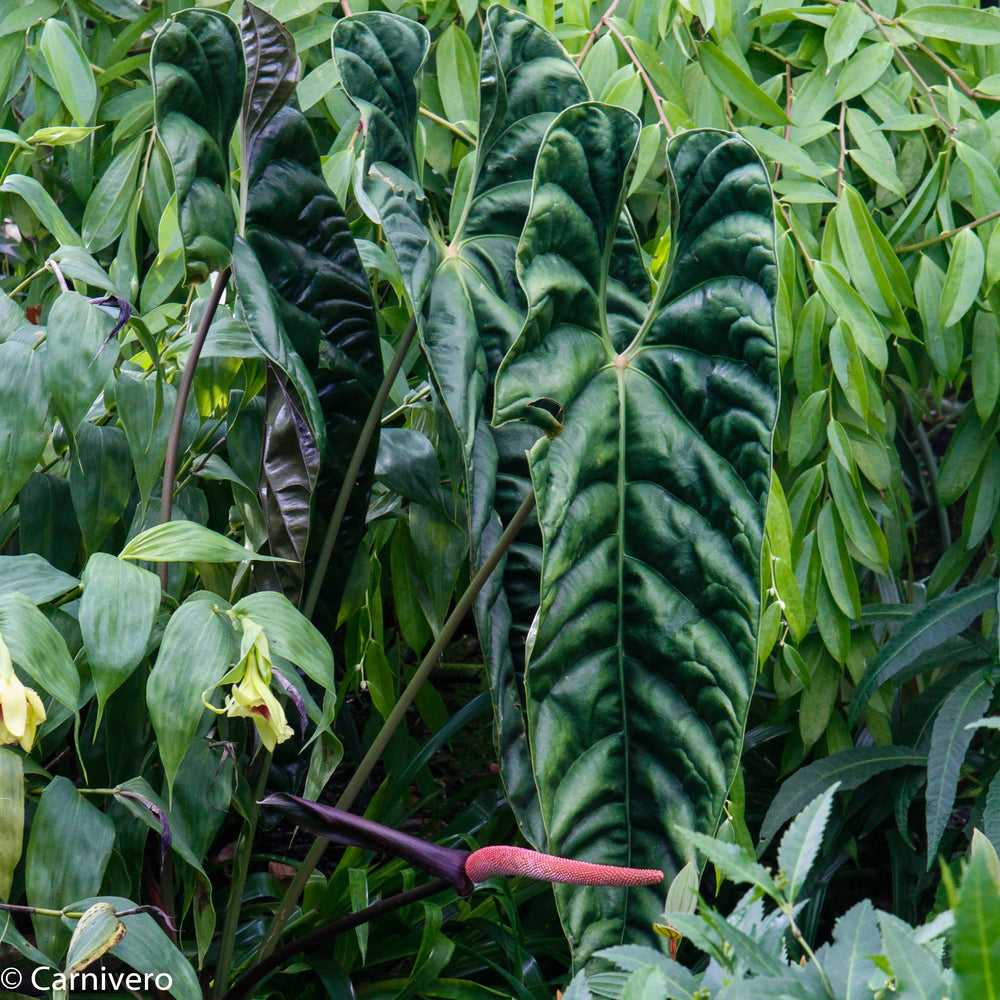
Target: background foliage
878,646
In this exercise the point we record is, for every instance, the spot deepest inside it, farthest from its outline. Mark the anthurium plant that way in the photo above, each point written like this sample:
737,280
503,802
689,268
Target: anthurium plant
372,371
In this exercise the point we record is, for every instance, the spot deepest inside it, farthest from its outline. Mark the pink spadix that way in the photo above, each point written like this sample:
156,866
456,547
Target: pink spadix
489,862
461,869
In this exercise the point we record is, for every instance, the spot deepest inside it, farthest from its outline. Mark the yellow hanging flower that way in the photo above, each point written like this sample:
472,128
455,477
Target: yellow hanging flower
21,710
252,696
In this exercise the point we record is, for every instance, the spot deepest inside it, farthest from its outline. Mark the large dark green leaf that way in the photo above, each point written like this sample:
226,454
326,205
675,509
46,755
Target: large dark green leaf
100,479
198,82
650,500
298,233
273,71
378,56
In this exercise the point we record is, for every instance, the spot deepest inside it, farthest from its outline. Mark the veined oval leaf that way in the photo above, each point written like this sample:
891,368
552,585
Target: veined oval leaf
739,87
117,611
186,541
965,273
651,500
12,809
198,646
953,23
70,68
24,417
198,84
96,933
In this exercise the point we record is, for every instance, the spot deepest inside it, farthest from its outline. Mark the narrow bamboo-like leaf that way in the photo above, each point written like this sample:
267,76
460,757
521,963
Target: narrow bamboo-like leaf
12,809
949,742
186,541
68,849
96,933
77,362
975,950
802,840
70,69
324,302
119,605
965,272
24,418
986,362
848,767
632,532
939,620
851,309
954,24
457,74
44,208
100,480
38,649
147,949
198,646
272,68
198,83
738,87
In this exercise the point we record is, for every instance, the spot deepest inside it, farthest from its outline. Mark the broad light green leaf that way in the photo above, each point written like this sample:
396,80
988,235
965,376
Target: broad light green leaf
109,203
738,87
119,605
847,962
863,69
953,23
632,958
77,361
44,208
950,740
68,849
928,627
198,647
198,85
975,952
802,840
147,949
12,809
38,649
186,541
70,68
96,933
290,635
24,417
850,768
100,480
629,534
34,577
838,570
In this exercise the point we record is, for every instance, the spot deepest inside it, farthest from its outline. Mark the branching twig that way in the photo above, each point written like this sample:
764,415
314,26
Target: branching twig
657,100
941,237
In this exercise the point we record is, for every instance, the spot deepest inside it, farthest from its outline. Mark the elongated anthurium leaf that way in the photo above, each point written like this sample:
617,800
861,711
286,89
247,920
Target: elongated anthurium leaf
273,70
378,55
651,500
473,310
198,83
930,626
298,233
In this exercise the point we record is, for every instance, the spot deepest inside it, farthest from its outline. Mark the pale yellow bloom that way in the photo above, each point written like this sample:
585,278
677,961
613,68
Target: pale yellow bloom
252,696
21,710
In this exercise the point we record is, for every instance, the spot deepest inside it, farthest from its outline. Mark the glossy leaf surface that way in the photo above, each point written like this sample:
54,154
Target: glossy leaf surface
198,83
651,499
299,234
